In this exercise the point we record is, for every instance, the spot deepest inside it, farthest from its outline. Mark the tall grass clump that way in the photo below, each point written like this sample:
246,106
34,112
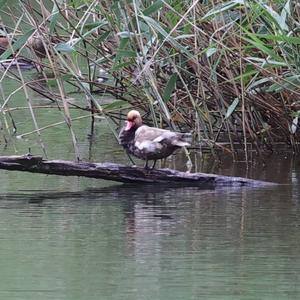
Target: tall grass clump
228,71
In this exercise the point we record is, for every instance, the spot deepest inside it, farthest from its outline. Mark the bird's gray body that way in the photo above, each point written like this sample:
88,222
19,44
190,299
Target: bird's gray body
149,143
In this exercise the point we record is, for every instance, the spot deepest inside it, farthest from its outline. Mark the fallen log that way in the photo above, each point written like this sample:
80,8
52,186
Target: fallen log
122,173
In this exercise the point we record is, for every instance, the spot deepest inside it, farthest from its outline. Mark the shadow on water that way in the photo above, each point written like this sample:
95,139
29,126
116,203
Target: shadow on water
124,192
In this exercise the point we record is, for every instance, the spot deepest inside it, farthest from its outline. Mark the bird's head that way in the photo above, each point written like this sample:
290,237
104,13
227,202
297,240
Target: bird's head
134,120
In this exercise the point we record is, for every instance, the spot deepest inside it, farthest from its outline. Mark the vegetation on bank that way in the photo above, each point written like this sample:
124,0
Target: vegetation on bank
228,71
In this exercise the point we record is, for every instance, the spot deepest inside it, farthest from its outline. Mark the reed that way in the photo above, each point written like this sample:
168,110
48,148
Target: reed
228,71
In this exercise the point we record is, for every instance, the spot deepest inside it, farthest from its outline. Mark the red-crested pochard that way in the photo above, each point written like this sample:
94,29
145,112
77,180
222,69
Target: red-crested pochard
150,143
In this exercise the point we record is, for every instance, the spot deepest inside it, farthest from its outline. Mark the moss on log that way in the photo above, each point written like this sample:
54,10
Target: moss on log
122,173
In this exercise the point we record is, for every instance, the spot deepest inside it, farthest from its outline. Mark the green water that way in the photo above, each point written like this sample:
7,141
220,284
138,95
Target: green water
120,242
75,238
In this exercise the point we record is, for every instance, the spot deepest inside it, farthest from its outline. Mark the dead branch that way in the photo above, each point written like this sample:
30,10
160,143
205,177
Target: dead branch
122,173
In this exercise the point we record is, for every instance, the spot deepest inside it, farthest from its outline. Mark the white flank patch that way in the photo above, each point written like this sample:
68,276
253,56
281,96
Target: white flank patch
148,146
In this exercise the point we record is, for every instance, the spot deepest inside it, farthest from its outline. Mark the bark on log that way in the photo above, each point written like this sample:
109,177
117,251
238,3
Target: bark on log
122,173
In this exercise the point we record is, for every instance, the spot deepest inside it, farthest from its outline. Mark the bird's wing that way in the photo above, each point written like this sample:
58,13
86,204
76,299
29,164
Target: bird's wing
146,133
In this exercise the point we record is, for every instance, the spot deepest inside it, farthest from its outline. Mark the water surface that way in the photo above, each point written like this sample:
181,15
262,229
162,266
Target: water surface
73,239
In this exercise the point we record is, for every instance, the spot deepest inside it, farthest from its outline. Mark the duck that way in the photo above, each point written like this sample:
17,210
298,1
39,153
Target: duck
150,143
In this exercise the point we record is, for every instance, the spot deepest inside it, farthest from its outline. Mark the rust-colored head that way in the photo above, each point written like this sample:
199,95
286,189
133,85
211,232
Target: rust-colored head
134,120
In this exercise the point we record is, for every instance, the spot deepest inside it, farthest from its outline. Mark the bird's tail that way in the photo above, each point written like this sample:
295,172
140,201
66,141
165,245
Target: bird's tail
183,140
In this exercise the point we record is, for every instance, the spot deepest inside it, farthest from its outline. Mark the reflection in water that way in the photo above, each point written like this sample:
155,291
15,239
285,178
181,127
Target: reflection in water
134,242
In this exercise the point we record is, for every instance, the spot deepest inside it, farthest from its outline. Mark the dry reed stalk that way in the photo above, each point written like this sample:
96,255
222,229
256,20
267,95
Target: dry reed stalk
202,68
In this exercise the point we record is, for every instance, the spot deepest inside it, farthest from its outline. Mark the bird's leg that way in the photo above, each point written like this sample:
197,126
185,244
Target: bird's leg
154,163
146,165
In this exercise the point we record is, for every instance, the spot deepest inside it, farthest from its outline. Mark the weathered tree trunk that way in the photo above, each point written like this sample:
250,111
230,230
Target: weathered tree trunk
121,173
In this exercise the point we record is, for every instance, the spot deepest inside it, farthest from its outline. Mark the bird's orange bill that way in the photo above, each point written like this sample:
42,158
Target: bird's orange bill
129,125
